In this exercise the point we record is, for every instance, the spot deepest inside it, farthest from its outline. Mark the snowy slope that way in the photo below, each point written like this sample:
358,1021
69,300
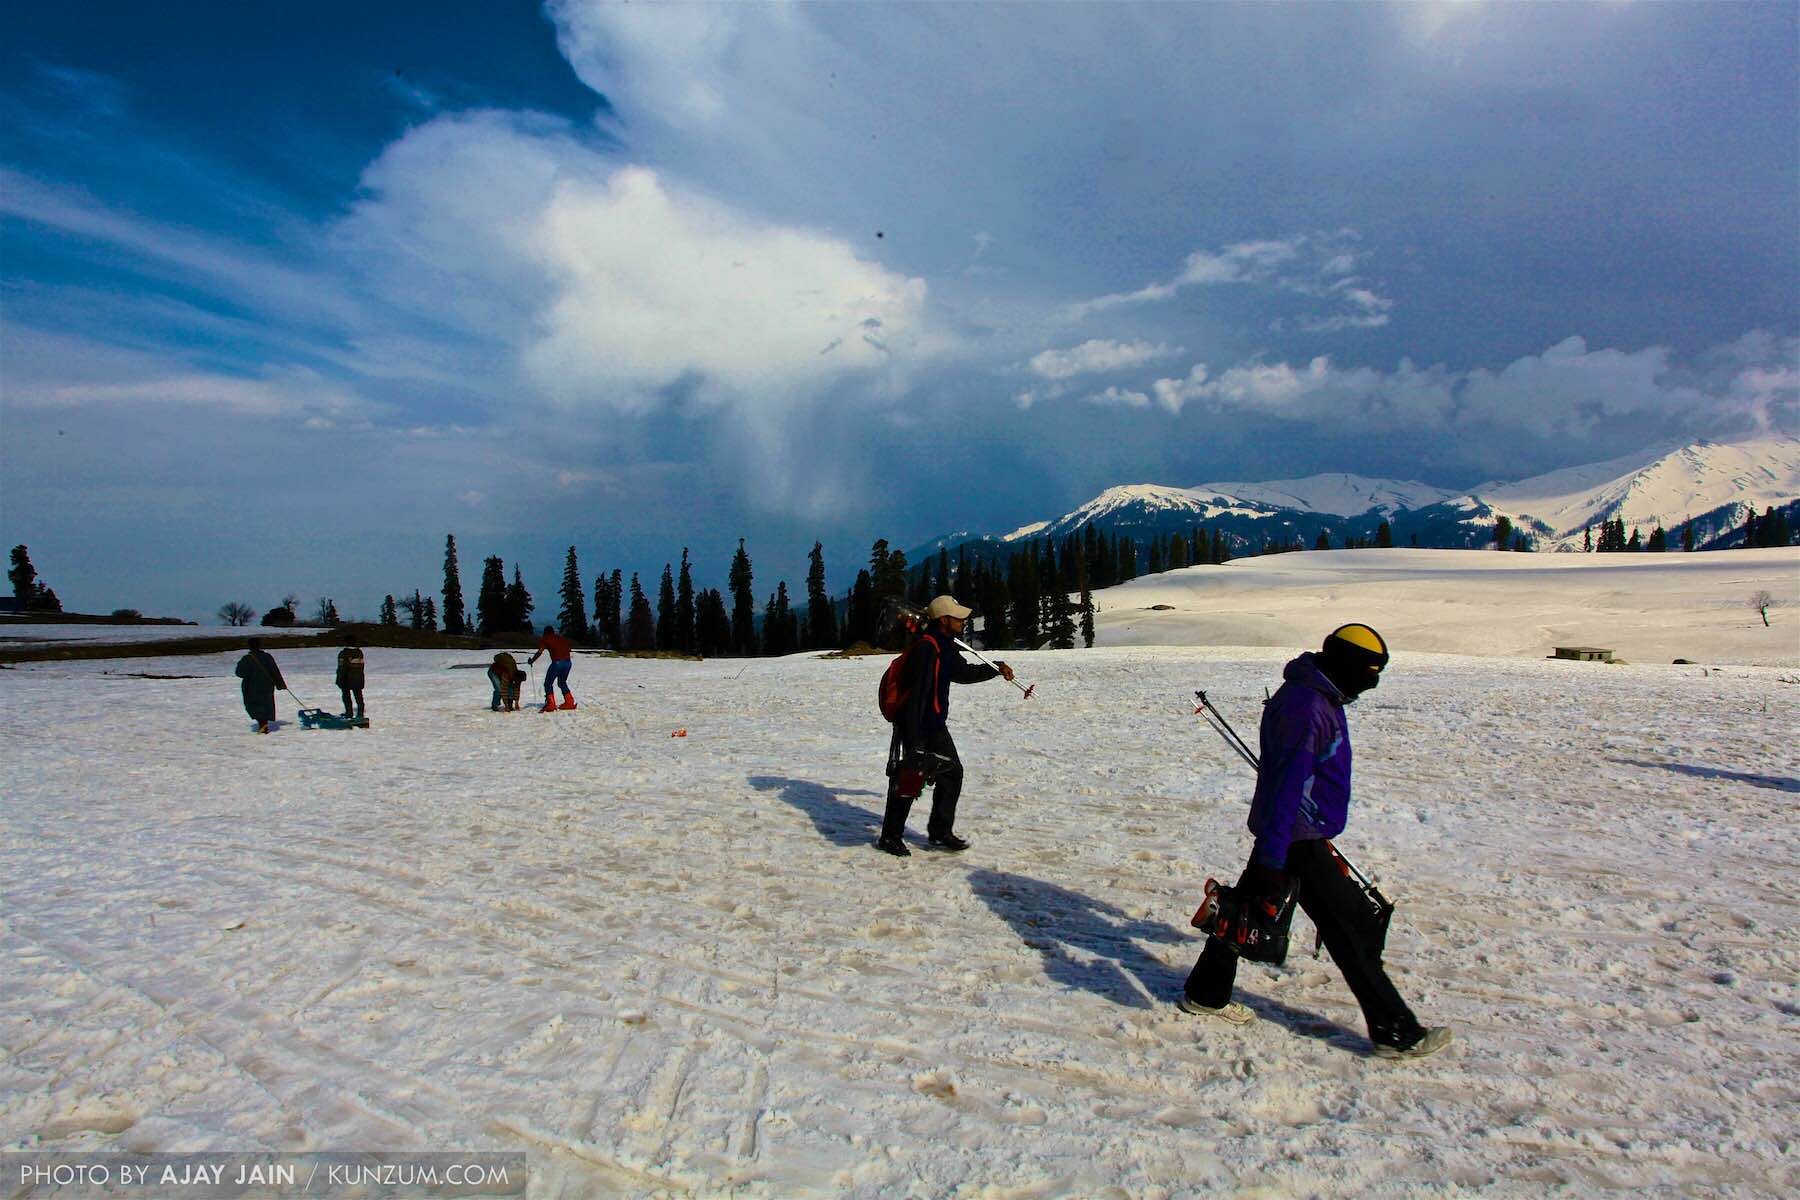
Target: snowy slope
1647,607
1140,502
1666,490
671,967
1341,494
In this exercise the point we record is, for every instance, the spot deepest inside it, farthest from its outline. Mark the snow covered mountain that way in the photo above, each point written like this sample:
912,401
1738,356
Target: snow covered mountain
1344,495
1710,483
1714,484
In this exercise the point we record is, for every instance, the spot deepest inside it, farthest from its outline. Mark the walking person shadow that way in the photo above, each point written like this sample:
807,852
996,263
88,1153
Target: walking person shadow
1109,961
841,824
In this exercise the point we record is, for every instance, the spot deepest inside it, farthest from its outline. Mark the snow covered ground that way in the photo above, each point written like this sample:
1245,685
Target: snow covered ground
1650,608
675,966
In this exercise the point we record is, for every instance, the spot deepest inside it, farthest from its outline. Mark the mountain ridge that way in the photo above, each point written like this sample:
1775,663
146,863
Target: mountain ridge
1714,485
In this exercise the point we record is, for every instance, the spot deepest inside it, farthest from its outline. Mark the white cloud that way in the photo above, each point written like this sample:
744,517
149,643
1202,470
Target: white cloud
1567,391
654,287
1097,355
1318,266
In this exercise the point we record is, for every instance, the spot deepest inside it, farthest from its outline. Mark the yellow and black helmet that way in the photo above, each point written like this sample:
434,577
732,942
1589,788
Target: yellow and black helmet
1357,645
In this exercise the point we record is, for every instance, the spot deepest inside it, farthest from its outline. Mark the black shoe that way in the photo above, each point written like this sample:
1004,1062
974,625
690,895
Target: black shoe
893,846
947,841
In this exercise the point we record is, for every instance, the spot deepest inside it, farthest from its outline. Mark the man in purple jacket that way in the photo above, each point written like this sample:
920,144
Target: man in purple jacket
1302,800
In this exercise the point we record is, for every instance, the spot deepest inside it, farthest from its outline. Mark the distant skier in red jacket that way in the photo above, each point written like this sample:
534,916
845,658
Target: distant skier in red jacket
558,647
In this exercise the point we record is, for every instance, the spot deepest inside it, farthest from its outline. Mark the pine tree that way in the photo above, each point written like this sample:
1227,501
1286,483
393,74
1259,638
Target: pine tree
24,577
604,601
415,608
490,602
429,621
390,612
329,615
743,603
665,611
1750,529
1687,537
1636,543
712,626
456,618
1587,539
571,618
1384,536
1659,541
944,585
821,621
1087,599
1156,557
684,606
518,604
640,626
1178,552
861,616
1323,542
1502,532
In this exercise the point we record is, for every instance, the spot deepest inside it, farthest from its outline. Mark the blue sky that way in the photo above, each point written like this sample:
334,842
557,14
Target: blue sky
289,293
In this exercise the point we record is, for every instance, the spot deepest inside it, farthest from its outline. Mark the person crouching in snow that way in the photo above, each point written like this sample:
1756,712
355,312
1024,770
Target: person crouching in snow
504,675
558,647
262,678
922,751
350,676
1302,800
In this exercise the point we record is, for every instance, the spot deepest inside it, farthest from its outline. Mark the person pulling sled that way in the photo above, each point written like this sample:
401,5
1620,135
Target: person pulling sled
915,696
261,679
1302,801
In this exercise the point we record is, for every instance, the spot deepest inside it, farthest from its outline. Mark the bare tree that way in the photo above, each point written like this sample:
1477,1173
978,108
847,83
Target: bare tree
1760,601
237,613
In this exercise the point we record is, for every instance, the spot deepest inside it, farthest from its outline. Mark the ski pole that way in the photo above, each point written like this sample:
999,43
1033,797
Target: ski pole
1224,729
972,650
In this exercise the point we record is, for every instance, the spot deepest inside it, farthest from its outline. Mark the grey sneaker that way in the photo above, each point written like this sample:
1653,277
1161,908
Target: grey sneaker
1231,1012
1429,1042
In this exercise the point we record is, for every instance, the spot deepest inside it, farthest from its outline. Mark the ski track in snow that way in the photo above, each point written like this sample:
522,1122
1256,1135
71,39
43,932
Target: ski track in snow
676,967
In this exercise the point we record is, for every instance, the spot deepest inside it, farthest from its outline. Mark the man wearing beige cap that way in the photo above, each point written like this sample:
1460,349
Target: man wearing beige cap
923,752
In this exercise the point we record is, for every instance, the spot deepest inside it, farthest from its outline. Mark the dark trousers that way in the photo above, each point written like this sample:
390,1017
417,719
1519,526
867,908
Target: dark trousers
348,692
1336,907
944,791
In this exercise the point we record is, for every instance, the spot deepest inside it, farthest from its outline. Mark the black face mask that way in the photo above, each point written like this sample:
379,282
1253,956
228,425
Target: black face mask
1350,678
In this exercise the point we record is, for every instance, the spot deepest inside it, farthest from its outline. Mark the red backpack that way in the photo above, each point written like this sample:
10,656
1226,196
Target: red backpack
894,692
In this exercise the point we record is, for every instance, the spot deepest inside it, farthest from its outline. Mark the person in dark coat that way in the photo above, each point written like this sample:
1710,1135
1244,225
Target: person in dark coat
262,678
1302,801
350,675
505,677
922,751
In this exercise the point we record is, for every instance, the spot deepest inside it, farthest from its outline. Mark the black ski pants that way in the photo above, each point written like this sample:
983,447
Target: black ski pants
944,791
348,693
1336,907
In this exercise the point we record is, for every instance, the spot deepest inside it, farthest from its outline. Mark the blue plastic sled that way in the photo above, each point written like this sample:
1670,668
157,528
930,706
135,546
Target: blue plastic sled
318,718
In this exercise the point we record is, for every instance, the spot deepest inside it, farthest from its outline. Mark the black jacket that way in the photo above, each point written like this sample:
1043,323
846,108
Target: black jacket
260,674
931,667
350,667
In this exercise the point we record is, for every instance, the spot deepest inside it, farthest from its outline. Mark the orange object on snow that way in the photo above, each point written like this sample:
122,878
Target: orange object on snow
679,733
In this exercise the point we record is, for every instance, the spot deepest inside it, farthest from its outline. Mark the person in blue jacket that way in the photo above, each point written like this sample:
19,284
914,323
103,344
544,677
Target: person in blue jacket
1302,800
922,749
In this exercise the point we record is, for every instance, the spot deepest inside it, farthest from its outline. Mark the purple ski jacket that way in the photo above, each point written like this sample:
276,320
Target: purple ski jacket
1303,788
